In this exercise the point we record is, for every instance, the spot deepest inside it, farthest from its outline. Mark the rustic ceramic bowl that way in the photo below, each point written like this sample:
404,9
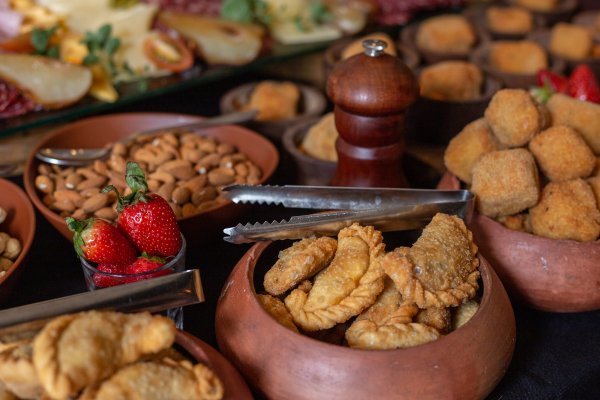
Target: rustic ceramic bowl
563,12
546,274
543,37
333,53
477,15
234,384
466,364
408,35
435,122
480,57
310,170
99,131
312,102
19,223
588,19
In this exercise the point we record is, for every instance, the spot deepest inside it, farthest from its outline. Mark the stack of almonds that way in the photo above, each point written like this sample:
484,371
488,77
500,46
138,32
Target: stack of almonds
184,168
145,237
10,247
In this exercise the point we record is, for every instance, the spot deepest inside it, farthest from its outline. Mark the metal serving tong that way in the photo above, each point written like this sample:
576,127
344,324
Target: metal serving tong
386,209
157,294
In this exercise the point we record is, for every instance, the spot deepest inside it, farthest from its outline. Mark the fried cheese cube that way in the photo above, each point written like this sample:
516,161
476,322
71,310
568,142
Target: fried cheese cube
583,116
514,117
464,149
567,210
508,20
518,56
505,182
571,41
517,222
449,33
538,5
275,100
594,183
562,154
451,80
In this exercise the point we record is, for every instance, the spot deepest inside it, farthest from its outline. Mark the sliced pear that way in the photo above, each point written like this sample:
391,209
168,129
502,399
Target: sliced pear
218,41
50,83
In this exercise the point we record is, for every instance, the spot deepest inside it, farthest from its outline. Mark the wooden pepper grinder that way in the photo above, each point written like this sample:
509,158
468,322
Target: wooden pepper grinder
371,92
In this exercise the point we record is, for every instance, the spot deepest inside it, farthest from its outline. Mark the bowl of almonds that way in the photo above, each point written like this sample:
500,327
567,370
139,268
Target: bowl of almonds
187,168
17,229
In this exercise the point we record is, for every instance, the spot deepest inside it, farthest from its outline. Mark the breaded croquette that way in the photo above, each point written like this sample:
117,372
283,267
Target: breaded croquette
583,116
571,41
594,183
451,80
505,182
562,154
539,5
517,222
514,117
567,210
508,20
274,100
518,56
464,149
450,34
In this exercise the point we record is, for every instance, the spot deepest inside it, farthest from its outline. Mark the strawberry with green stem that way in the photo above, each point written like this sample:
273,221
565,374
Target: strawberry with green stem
101,242
145,217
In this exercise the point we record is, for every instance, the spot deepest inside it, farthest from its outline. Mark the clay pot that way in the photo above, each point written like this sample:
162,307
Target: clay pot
312,103
546,274
234,384
477,15
19,223
310,170
588,19
466,364
99,131
562,13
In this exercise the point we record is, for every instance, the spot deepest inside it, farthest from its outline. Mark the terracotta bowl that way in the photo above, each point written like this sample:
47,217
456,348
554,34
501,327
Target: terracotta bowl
563,12
466,364
480,56
310,170
450,116
542,36
546,274
332,54
234,384
409,33
19,223
98,131
476,14
312,102
588,20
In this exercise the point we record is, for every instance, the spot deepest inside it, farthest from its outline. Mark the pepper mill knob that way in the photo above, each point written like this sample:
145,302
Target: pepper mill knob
371,92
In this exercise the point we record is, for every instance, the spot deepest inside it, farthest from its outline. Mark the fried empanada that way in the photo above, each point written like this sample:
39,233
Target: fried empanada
76,350
277,310
463,313
164,379
440,269
439,318
350,284
17,371
299,262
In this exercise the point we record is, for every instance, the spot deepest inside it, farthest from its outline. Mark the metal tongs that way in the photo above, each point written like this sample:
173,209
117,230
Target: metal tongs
384,208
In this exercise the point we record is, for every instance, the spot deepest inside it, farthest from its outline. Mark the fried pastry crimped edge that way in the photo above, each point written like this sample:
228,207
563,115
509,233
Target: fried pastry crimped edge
17,372
360,297
399,266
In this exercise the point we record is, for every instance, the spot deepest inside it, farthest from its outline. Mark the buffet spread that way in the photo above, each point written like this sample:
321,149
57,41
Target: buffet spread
368,288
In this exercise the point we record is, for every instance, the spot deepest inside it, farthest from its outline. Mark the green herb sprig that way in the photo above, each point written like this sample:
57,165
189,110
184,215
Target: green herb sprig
40,39
102,47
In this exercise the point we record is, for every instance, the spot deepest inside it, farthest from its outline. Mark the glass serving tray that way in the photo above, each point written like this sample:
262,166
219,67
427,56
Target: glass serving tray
136,91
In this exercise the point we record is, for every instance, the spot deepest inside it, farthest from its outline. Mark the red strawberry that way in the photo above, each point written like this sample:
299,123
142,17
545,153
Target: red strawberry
141,265
101,242
583,85
557,83
102,280
147,219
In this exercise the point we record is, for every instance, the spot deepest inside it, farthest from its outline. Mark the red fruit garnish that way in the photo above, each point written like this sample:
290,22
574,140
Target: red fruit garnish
102,280
557,83
147,219
583,85
145,264
101,242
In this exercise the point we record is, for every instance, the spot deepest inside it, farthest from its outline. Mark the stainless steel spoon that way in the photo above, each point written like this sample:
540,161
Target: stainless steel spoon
79,157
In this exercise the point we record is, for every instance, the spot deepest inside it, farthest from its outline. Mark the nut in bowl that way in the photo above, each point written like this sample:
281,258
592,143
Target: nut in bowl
538,220
279,104
322,333
17,230
190,185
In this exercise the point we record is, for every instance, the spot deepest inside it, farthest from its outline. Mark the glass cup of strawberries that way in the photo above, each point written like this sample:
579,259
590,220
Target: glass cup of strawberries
144,243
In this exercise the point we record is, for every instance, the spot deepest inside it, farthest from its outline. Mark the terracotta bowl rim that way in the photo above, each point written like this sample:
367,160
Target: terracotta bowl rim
68,128
226,104
290,145
27,241
486,279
